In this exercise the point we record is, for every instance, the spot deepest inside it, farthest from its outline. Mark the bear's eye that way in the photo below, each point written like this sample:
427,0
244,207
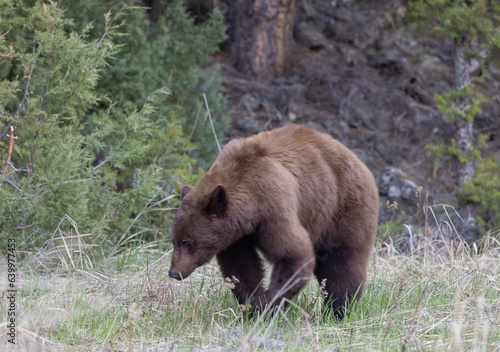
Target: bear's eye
185,243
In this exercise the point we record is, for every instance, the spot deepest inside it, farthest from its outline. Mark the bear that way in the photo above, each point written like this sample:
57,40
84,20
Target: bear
300,198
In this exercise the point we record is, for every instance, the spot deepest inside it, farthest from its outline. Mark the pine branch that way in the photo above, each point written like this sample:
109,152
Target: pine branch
26,90
49,73
108,25
10,28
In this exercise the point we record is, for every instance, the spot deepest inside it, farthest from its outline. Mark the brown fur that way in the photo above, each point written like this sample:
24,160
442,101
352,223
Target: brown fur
297,195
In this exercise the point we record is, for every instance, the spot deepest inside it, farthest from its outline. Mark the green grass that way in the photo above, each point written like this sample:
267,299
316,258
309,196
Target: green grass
72,297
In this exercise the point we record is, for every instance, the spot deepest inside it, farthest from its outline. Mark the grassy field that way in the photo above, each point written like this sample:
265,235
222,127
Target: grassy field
75,296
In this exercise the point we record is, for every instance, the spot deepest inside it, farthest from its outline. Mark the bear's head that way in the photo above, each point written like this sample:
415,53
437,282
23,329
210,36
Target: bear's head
198,231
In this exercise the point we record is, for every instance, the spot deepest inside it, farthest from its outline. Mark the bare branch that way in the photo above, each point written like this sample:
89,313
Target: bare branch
98,166
26,90
211,122
72,76
13,184
10,28
5,130
9,153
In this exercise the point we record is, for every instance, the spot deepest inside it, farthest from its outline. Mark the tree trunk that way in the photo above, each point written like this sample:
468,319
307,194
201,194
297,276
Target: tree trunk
464,140
154,9
261,35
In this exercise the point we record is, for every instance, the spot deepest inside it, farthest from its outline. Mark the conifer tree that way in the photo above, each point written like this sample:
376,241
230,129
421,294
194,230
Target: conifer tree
77,151
469,23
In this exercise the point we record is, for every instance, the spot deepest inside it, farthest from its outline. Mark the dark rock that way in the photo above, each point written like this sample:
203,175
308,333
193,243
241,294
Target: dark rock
399,194
387,67
396,44
250,102
433,70
494,71
426,121
353,57
353,27
248,125
344,15
353,34
390,148
328,26
309,10
280,81
308,35
373,109
475,67
290,98
396,185
417,93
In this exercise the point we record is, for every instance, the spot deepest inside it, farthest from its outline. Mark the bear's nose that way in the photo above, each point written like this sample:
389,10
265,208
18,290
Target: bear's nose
175,274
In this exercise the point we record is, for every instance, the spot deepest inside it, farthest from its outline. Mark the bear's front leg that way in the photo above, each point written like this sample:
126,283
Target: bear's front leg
241,263
290,275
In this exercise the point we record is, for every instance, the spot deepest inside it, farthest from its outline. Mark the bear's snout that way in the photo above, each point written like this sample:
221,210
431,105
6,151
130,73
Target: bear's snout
175,274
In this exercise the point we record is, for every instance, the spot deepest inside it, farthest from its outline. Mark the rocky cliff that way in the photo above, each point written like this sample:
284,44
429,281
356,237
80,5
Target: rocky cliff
364,74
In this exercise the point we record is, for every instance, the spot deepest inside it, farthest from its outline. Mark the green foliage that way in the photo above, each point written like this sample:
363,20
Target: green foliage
478,18
484,190
109,156
390,230
450,104
168,53
48,81
474,22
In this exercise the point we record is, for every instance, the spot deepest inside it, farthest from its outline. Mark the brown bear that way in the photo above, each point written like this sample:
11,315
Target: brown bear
300,197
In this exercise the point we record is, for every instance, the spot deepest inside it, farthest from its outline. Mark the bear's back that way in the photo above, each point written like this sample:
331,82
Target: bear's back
325,177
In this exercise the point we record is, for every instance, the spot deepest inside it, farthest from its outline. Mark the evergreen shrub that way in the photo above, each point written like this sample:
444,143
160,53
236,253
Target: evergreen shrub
98,138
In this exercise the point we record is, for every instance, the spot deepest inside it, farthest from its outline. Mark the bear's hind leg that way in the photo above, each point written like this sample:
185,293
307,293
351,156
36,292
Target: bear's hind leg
342,273
241,263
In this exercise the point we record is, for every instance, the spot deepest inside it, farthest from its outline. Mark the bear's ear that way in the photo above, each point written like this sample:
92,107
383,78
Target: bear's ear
184,191
217,201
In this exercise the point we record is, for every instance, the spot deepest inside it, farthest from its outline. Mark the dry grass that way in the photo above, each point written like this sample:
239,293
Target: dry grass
73,296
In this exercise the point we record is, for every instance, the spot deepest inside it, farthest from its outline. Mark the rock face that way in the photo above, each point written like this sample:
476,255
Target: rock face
399,193
397,185
308,35
372,110
362,73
